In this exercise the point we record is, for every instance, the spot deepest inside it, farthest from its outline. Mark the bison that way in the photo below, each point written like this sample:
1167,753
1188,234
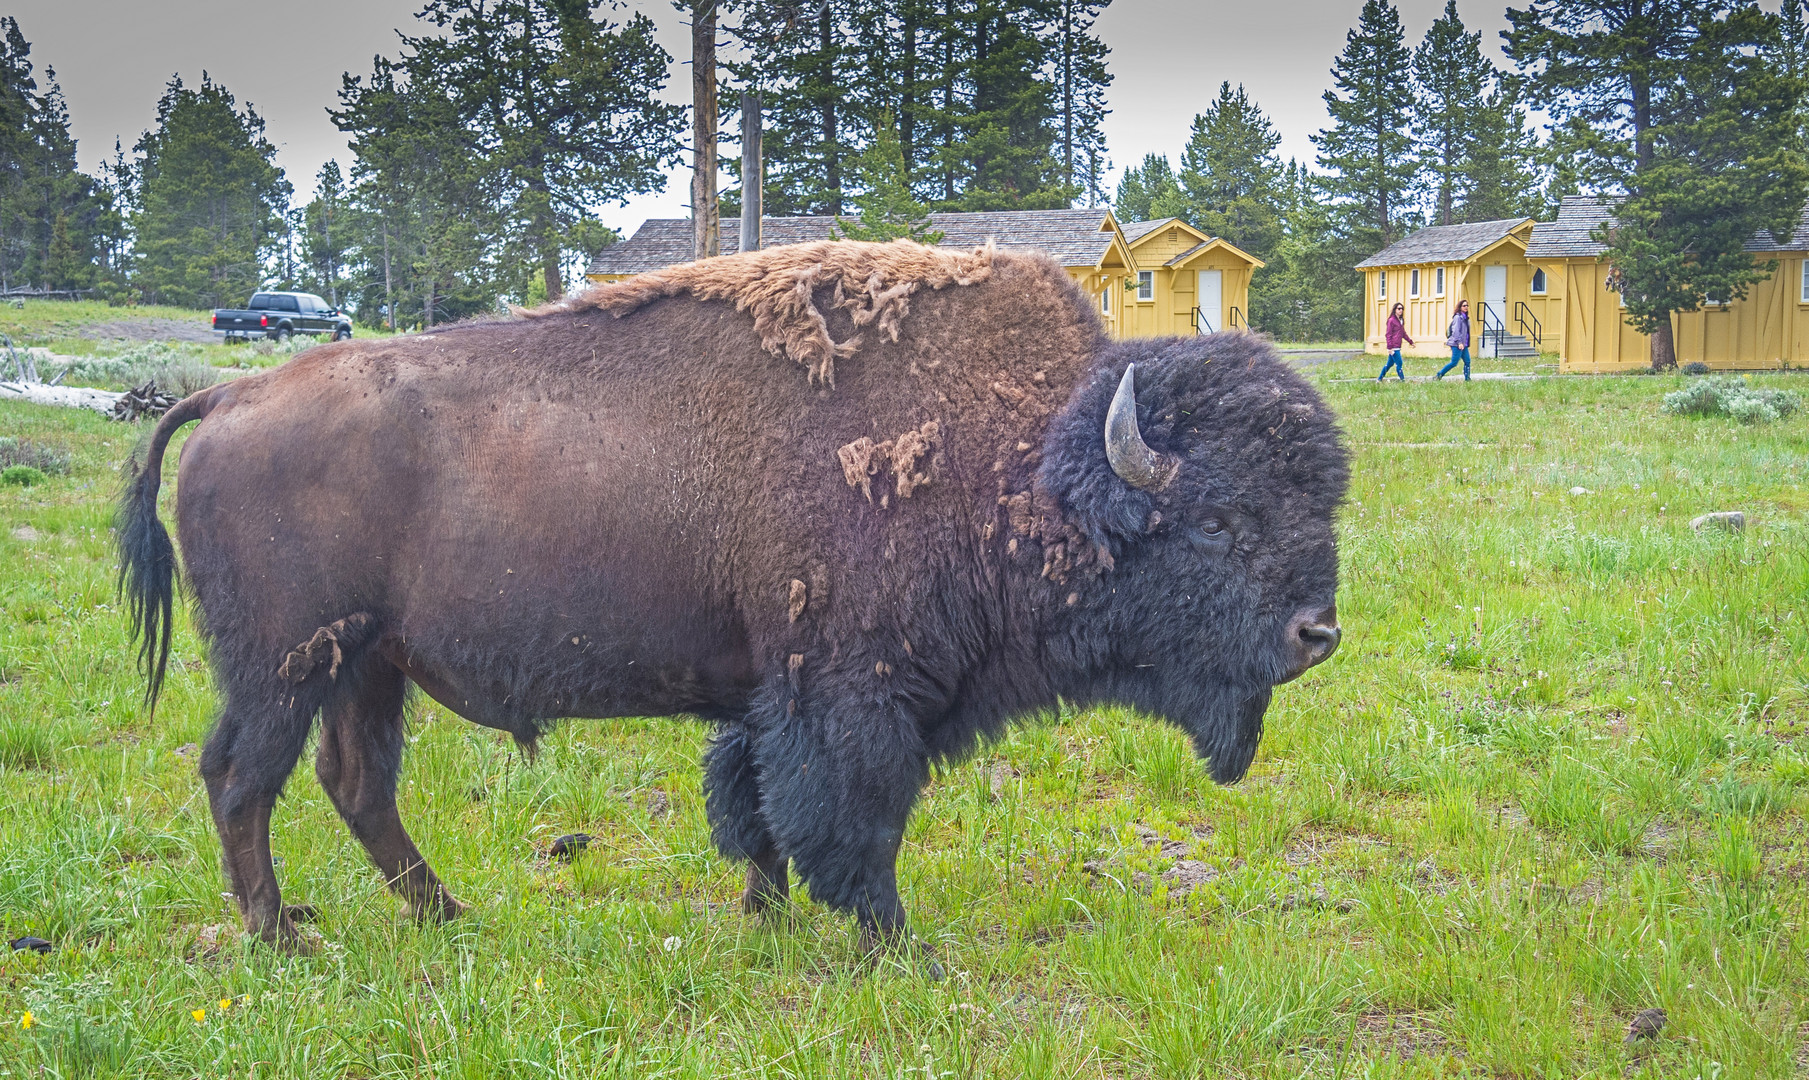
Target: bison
856,505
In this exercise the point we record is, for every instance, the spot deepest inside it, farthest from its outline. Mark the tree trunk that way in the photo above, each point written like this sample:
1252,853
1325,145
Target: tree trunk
753,174
389,302
555,281
832,160
1664,347
705,212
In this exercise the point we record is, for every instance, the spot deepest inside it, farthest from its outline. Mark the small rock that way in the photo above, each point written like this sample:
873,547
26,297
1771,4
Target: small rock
213,938
35,944
1647,1023
1731,520
1002,774
187,749
659,804
25,533
1187,873
1581,491
567,847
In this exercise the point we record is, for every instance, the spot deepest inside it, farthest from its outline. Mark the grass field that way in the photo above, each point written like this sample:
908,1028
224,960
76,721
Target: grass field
1556,775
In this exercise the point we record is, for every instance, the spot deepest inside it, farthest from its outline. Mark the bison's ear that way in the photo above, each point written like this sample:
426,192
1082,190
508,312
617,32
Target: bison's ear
1092,446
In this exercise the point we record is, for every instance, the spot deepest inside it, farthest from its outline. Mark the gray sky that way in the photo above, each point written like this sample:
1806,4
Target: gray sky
113,58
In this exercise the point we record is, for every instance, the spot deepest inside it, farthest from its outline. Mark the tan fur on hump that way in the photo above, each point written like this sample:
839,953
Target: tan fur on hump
872,282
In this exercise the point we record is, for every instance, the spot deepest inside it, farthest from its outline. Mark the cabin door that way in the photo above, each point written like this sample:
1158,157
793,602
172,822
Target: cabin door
1211,298
1494,297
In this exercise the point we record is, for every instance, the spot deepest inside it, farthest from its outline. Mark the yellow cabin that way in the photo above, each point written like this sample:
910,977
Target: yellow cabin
1483,262
1186,282
1768,329
1152,287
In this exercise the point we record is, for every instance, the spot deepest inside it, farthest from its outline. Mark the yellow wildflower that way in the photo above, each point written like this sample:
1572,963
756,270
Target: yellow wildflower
225,1003
27,1020
538,985
199,1015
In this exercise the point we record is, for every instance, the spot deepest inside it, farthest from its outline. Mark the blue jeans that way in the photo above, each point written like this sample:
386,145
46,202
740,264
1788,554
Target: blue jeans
1458,352
1394,361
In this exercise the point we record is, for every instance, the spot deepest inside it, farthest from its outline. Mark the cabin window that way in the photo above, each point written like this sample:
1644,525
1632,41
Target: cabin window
1538,283
1105,298
1382,283
1806,281
1413,284
1146,284
1438,282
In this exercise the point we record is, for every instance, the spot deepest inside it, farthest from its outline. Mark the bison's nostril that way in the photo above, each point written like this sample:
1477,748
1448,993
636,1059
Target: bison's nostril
1321,641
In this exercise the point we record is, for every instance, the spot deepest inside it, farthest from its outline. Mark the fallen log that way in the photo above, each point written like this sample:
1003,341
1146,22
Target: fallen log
77,397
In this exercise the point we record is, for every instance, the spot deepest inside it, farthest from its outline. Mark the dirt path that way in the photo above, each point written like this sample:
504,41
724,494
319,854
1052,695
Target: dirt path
198,331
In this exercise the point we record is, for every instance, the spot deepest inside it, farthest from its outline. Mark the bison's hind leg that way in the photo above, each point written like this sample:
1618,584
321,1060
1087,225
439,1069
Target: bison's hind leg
247,759
732,801
361,739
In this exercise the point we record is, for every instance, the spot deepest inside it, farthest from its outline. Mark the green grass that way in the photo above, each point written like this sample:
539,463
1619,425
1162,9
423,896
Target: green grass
1555,775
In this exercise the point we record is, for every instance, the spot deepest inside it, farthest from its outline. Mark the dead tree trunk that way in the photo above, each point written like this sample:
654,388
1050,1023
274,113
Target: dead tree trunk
706,222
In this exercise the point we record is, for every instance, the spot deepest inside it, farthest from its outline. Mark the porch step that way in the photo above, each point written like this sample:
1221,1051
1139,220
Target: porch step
1517,347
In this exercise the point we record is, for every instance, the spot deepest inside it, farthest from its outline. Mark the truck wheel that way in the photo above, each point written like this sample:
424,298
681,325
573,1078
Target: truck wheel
282,333
342,333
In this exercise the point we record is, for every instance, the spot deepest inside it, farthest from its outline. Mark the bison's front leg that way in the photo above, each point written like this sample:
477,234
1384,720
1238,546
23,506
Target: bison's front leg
737,825
838,782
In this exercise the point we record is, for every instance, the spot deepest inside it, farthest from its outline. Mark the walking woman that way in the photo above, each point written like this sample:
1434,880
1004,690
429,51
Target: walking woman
1394,335
1459,339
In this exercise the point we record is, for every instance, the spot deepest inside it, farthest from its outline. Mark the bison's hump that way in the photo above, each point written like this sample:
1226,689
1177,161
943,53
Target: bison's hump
872,282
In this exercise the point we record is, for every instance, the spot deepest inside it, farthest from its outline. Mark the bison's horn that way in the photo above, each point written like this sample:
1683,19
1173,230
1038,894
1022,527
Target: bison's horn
1131,458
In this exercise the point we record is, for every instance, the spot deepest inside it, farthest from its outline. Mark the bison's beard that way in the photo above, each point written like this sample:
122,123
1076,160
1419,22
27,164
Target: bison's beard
1229,743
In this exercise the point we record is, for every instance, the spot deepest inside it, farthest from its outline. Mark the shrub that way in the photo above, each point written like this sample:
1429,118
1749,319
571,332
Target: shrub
174,368
46,459
1732,397
22,475
1695,367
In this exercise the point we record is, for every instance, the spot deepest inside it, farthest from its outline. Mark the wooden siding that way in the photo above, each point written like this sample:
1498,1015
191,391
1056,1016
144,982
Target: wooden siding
1768,329
1428,315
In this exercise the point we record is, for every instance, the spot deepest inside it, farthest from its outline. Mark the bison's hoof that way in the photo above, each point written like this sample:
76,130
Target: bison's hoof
763,895
439,908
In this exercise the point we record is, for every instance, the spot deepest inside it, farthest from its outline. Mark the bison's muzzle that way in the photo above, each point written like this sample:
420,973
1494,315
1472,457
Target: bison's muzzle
1312,638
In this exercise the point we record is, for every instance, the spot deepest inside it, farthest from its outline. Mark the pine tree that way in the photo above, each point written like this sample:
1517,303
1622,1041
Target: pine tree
1674,115
1307,292
888,208
324,230
1451,80
210,199
1149,192
39,182
1789,54
1368,148
1231,174
1078,57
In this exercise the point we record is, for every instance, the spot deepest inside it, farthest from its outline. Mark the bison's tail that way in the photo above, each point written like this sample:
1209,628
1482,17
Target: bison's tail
147,559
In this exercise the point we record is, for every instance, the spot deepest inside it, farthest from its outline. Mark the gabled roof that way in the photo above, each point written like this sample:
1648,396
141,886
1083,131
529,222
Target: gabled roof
1216,242
1444,243
1073,237
1580,215
1137,230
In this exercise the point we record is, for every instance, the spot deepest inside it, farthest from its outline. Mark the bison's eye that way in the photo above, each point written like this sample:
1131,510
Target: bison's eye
1212,534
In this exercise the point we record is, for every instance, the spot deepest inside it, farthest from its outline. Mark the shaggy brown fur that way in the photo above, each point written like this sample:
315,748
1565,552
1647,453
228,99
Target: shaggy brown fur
872,283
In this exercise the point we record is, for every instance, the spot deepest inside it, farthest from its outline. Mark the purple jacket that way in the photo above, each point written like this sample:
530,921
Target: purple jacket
1394,333
1459,335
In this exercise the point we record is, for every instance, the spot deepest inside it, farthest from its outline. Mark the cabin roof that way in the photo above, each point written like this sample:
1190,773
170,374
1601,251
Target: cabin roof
1074,237
1444,243
1570,236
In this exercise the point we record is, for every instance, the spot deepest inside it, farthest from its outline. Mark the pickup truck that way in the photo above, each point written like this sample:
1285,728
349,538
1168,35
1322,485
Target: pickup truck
277,315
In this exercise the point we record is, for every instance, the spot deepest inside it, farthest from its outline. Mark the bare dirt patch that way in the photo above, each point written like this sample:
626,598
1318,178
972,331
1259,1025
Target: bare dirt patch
140,330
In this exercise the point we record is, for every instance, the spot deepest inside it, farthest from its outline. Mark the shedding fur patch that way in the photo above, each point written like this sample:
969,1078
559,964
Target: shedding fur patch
863,458
873,283
328,646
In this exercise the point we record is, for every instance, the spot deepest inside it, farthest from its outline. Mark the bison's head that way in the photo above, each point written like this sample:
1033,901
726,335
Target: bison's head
1209,475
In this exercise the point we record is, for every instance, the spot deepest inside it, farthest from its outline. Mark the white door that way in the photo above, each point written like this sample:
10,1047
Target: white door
1494,294
1211,299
